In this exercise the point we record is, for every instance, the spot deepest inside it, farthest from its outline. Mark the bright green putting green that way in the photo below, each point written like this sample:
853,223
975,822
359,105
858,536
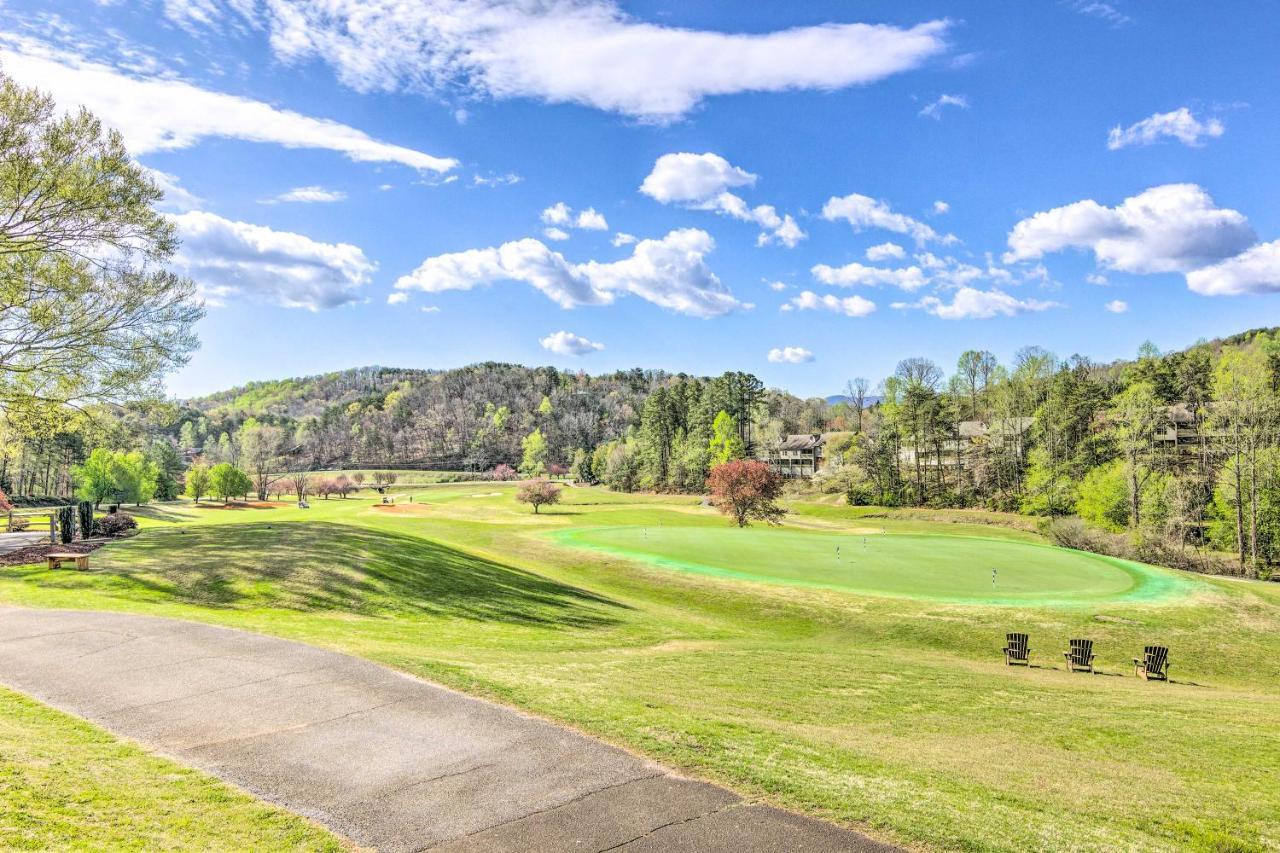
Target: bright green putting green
950,568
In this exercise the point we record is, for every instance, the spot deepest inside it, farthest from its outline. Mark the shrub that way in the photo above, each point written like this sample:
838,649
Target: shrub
85,512
116,524
505,472
66,524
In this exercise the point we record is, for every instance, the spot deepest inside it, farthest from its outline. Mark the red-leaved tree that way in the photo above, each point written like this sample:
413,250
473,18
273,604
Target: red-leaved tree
745,490
539,493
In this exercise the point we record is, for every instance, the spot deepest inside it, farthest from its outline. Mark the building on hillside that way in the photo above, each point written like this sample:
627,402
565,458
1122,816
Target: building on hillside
951,453
800,455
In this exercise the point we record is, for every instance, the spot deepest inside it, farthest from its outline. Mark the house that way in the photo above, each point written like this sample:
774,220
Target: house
798,455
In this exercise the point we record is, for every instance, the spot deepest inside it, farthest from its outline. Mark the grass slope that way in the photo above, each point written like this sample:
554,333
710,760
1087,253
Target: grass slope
890,713
65,784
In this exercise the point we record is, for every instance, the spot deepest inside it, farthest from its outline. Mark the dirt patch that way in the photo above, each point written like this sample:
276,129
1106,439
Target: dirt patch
402,509
36,553
247,505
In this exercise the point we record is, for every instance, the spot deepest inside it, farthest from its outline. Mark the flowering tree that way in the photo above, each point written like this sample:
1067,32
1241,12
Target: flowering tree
505,472
538,493
744,490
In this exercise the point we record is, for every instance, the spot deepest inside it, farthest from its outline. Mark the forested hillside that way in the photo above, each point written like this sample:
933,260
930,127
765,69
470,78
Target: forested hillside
1181,448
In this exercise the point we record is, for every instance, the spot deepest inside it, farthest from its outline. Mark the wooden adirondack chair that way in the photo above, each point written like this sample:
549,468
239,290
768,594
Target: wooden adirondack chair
1080,658
1016,652
1154,663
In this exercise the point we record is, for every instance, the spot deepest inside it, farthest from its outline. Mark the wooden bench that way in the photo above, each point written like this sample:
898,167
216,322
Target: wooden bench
56,559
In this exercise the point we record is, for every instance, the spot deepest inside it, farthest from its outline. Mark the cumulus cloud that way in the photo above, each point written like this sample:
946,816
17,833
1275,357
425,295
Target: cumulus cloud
885,251
307,195
555,233
167,114
562,216
398,298
777,286
567,343
863,212
934,108
230,260
850,306
671,272
704,181
587,52
940,207
1097,279
968,303
1256,270
1117,306
1169,228
622,238
1179,124
860,275
790,355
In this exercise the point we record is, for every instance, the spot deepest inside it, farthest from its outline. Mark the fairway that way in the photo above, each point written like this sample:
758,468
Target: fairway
933,566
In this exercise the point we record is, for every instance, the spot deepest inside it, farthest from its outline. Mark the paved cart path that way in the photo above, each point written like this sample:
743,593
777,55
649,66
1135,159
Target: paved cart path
385,759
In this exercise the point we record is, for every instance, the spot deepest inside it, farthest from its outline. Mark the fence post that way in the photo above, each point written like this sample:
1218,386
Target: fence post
9,527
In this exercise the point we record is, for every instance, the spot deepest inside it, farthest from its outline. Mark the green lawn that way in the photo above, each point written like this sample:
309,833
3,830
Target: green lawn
890,713
65,784
931,566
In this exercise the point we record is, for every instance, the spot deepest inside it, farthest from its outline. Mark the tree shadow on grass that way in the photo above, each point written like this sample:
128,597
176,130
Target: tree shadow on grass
322,566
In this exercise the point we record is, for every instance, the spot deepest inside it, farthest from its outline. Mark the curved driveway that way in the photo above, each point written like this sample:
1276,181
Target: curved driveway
385,759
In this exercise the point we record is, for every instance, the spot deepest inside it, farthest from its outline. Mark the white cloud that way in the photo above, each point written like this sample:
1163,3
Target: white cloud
671,272
623,239
970,304
307,195
555,233
778,286
703,181
864,212
1256,270
167,114
491,181
885,251
229,260
176,197
591,220
1179,124
562,216
1104,11
399,297
430,309
1169,228
588,52
1117,306
855,274
940,207
934,108
567,343
851,306
557,214
790,355
1097,279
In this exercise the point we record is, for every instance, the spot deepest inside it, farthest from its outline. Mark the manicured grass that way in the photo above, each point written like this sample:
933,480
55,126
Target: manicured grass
935,566
890,713
65,784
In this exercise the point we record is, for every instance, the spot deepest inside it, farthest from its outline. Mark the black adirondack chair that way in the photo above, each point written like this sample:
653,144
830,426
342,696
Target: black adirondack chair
1154,663
1016,651
1080,658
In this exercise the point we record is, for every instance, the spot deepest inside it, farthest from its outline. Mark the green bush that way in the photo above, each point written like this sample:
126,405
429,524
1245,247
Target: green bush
115,524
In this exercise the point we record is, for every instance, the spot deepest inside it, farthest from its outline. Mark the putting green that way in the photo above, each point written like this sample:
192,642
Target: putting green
935,566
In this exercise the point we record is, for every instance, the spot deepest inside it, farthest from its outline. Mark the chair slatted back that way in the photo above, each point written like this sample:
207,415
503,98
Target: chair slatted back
1018,644
1081,652
1155,658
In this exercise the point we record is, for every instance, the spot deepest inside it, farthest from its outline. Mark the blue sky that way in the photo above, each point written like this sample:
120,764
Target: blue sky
691,186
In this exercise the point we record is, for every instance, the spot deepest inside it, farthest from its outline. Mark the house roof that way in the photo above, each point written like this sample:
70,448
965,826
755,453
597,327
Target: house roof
803,441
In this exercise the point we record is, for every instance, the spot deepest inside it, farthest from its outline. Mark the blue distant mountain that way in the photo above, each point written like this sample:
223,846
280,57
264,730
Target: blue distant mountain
867,401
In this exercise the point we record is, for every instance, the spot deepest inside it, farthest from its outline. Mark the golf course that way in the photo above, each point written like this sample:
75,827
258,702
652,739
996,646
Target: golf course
864,687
